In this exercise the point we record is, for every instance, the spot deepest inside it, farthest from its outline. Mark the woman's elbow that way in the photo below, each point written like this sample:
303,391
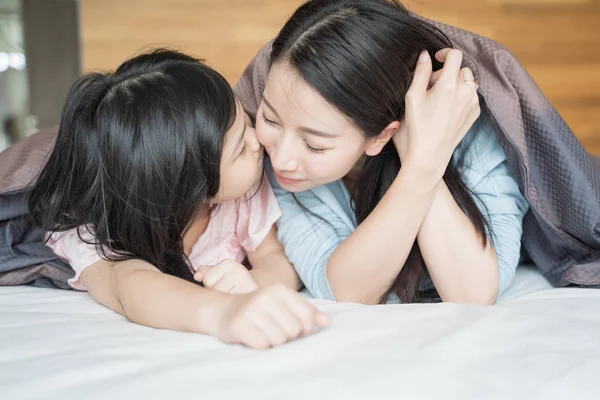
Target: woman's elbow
486,298
485,294
482,289
358,298
342,290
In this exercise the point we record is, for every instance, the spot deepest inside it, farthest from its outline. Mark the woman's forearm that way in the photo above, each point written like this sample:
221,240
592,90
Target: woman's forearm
462,269
364,265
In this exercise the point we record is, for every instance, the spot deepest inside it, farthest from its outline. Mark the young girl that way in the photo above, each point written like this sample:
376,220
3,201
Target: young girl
156,184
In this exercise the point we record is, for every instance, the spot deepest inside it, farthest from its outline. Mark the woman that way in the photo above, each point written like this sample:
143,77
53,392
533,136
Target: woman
434,205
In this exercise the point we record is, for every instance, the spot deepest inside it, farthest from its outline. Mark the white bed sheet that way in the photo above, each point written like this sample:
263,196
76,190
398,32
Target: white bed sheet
537,343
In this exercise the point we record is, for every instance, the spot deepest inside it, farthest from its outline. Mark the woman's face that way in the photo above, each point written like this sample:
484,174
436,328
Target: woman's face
310,143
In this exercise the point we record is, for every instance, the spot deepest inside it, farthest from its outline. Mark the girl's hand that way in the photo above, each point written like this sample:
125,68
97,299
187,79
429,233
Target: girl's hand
267,317
438,118
227,276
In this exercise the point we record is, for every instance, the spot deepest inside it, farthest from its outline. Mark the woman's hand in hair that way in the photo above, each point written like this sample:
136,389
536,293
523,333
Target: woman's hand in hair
438,116
228,276
441,57
268,317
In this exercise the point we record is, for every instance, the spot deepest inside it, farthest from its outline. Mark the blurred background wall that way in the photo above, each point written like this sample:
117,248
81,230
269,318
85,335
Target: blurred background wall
558,41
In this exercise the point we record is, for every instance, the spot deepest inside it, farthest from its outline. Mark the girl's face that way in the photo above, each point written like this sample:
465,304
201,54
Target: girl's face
310,143
241,160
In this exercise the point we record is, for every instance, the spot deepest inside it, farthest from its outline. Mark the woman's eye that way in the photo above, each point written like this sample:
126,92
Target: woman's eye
313,149
268,121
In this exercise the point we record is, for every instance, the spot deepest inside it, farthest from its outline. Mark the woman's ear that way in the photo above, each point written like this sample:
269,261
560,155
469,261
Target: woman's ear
375,144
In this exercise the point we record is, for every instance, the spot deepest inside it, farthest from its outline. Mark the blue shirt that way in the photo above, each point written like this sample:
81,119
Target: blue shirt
309,240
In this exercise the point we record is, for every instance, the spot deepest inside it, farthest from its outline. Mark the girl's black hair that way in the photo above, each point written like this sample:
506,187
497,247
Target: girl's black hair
137,157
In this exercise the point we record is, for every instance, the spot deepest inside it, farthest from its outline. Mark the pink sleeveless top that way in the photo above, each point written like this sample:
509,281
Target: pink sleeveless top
235,228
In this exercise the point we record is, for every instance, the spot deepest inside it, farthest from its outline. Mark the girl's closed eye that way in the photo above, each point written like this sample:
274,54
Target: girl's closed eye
245,145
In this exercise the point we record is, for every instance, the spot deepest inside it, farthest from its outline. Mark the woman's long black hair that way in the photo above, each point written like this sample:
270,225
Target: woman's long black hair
360,56
137,157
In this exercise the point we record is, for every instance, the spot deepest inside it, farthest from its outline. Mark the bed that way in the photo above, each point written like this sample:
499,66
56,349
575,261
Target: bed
537,343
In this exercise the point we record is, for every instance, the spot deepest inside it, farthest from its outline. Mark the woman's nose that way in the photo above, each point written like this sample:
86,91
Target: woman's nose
283,157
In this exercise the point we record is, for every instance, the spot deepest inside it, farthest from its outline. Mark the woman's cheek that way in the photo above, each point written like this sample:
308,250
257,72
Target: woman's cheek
265,137
328,167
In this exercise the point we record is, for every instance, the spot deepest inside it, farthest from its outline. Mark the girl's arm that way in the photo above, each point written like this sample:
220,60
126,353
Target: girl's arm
146,296
137,290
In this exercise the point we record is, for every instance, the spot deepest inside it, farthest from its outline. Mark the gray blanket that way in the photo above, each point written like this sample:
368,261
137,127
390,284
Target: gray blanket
24,258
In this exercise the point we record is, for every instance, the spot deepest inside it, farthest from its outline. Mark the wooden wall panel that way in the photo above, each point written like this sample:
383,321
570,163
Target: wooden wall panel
558,41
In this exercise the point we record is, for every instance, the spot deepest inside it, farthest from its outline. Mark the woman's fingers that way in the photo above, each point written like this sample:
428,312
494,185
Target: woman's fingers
420,82
442,54
452,63
451,71
434,77
466,75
